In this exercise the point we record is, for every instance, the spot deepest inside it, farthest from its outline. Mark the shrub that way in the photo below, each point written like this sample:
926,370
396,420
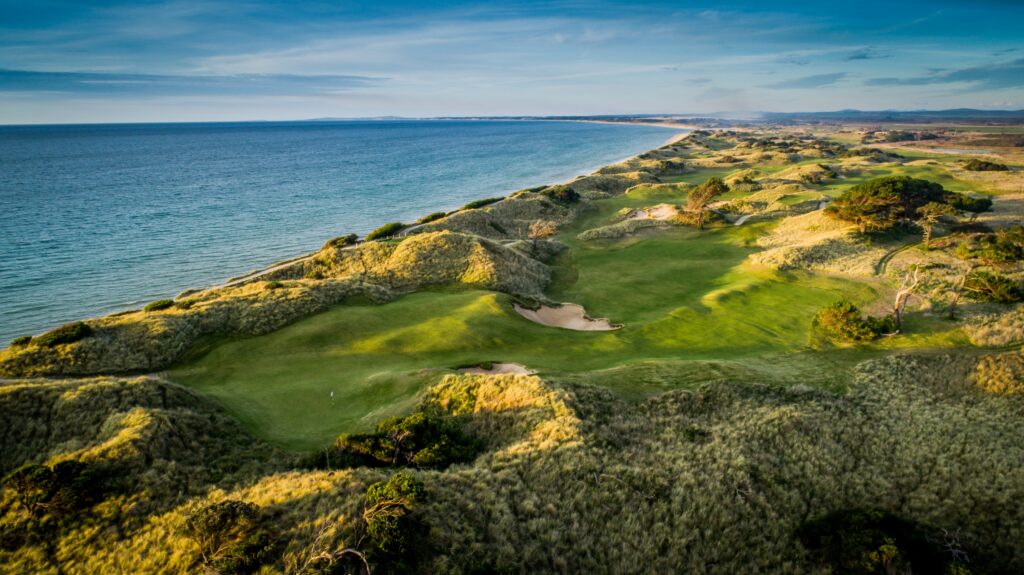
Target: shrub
842,320
966,203
160,304
419,440
68,333
385,231
561,193
230,536
342,241
21,341
388,513
1002,247
273,285
976,165
989,286
481,203
431,217
869,541
53,491
185,304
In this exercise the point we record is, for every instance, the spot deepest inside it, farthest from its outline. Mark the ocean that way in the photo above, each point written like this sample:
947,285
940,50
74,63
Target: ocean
103,218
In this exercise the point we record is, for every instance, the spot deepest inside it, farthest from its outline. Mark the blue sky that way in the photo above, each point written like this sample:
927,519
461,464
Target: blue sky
175,60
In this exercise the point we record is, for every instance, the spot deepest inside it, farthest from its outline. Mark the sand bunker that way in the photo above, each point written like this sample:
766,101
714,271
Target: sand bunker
566,316
662,212
500,369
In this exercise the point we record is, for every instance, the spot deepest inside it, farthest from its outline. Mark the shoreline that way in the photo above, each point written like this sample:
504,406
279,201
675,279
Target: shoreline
254,274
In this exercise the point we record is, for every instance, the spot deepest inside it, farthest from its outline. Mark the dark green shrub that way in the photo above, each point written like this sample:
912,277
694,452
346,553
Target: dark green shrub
160,304
976,165
419,440
21,341
185,304
842,320
431,217
481,203
966,203
272,285
869,542
342,241
385,231
388,514
988,286
68,333
882,203
561,193
1002,247
53,491
230,536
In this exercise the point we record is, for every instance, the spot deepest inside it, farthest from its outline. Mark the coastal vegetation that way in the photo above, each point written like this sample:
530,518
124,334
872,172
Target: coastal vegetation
778,395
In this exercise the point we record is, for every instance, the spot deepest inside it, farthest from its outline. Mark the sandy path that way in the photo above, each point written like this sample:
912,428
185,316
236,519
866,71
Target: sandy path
500,369
739,221
567,316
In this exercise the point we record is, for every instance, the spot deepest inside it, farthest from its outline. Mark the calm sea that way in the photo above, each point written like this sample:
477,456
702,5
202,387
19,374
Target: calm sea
101,218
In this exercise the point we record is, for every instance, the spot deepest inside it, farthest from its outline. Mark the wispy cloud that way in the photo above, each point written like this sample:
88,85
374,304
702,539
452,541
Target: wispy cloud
812,81
866,54
114,84
992,77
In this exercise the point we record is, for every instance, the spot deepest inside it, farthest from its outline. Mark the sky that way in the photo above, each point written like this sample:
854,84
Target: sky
226,60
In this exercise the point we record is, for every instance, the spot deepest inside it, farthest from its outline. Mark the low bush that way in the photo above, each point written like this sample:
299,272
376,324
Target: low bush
989,286
842,320
385,231
1002,247
865,542
561,194
342,241
966,203
21,341
419,440
230,536
68,333
976,165
273,285
481,203
431,217
158,305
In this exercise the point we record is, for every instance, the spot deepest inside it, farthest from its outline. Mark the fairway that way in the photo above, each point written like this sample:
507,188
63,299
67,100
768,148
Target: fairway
682,295
687,298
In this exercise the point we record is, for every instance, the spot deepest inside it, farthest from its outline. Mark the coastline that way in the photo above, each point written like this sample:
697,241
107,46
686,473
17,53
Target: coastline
225,257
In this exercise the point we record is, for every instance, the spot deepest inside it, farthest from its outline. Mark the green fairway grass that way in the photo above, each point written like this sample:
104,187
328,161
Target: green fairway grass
686,299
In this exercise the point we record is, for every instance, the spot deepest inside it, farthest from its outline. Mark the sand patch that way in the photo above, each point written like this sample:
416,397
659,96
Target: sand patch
500,369
566,316
660,212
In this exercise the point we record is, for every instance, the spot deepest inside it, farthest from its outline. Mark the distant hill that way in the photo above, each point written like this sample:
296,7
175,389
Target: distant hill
912,116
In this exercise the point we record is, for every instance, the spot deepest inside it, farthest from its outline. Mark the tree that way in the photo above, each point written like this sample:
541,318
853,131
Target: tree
911,279
842,320
881,203
698,199
54,491
387,513
990,286
230,536
541,229
931,214
419,440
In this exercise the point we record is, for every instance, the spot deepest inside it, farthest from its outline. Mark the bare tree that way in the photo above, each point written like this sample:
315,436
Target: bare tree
911,279
541,229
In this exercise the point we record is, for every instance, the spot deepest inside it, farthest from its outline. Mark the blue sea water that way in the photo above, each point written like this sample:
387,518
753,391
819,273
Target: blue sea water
102,218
